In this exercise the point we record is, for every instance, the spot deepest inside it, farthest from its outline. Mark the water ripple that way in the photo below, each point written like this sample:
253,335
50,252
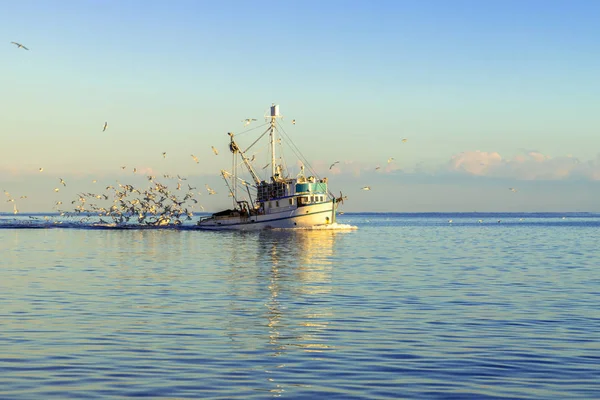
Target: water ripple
401,308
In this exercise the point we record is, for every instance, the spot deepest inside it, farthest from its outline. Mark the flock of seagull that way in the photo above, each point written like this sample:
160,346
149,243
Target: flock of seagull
154,205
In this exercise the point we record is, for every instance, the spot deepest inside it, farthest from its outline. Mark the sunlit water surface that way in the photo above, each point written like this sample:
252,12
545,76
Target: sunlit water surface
407,306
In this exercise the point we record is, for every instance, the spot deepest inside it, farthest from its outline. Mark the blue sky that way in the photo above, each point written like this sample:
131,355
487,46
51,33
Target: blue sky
490,95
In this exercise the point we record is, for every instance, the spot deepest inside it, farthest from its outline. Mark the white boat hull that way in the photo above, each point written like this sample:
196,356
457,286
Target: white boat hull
300,217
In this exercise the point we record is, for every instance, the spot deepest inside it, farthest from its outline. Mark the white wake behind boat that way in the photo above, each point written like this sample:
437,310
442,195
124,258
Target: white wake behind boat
278,201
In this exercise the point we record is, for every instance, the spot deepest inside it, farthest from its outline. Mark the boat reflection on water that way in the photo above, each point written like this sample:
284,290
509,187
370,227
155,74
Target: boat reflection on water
279,302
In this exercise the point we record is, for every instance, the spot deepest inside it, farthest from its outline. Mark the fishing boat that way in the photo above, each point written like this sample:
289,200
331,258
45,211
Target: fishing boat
278,201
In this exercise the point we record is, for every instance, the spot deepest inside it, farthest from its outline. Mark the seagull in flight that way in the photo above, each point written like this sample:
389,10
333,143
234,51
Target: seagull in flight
19,45
390,159
164,154
404,140
215,150
195,158
105,126
366,188
332,165
210,191
62,182
248,121
293,122
513,190
41,169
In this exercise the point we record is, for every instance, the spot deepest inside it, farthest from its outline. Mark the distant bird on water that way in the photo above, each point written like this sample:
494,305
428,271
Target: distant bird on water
105,126
332,165
19,45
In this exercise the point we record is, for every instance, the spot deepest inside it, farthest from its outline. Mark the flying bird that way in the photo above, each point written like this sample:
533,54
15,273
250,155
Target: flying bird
19,45
164,154
513,190
195,158
62,182
210,191
247,121
215,150
56,189
366,188
390,159
377,167
105,126
331,166
404,140
41,169
293,122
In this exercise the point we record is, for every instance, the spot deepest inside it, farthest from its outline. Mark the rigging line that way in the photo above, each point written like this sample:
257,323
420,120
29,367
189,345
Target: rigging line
299,154
251,129
260,137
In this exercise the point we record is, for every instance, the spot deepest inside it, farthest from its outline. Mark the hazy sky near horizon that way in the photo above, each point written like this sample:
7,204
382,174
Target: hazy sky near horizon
490,95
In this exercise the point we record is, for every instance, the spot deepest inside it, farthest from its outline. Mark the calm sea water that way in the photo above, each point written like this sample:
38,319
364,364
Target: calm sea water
407,306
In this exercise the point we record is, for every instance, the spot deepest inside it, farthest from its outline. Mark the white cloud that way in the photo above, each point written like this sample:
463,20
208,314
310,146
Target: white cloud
475,162
530,166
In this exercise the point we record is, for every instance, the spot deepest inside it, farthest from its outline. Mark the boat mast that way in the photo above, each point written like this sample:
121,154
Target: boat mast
274,116
233,189
233,146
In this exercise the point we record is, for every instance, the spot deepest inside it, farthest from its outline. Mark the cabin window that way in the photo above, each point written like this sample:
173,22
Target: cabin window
291,201
312,199
277,203
270,205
